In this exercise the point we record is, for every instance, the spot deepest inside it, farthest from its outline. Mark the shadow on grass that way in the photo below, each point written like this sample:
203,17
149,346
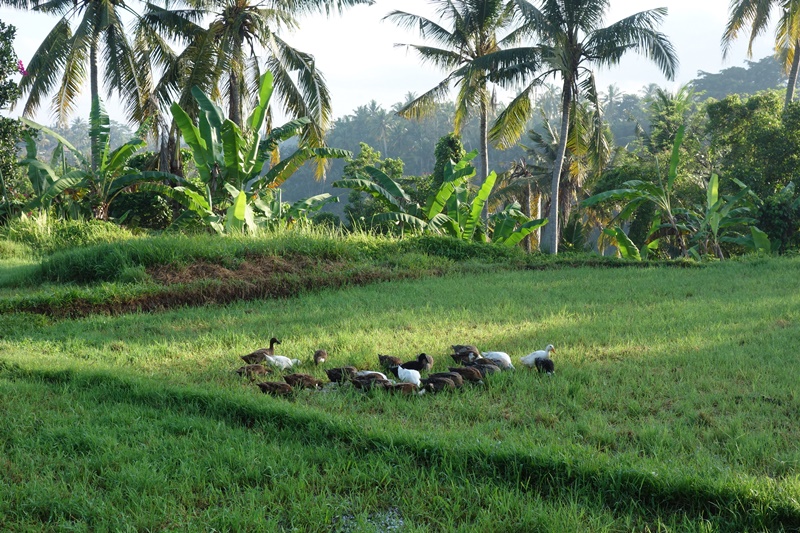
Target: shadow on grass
622,491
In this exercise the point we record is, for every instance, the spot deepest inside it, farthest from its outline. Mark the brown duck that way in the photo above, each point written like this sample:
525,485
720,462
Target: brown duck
389,361
253,370
370,381
458,380
275,388
402,388
302,381
469,373
438,384
260,355
320,356
341,374
464,353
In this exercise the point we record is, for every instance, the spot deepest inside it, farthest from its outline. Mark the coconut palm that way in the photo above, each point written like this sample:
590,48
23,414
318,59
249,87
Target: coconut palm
756,14
98,42
572,39
224,60
476,28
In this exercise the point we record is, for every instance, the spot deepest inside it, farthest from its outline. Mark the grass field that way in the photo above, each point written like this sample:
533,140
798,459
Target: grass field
673,408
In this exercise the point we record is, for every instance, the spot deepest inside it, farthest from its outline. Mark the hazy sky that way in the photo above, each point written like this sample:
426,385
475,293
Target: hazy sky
356,51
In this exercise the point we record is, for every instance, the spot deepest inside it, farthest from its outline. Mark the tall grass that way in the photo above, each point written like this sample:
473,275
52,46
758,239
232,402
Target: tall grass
673,407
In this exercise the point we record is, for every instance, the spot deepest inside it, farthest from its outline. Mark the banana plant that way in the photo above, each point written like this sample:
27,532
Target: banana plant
718,220
224,153
511,225
101,176
232,159
637,192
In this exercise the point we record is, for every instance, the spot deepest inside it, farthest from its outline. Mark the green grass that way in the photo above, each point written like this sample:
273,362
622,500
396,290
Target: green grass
674,408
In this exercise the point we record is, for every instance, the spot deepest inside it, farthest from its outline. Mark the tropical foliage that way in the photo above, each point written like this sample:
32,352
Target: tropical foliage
100,177
238,161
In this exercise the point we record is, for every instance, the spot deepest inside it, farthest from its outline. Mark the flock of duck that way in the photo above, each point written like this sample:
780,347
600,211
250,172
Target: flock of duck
406,377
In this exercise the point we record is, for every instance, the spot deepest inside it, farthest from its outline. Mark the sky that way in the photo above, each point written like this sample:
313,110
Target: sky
357,54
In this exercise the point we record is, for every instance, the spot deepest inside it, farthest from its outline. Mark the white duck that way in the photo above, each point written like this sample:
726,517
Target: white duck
530,359
408,376
282,362
501,359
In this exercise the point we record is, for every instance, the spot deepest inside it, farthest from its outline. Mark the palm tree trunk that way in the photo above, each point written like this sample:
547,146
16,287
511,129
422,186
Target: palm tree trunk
483,168
94,90
539,210
235,109
566,102
527,211
793,74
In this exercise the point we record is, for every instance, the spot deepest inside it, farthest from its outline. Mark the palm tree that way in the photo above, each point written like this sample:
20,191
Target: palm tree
60,63
224,60
476,27
571,39
756,14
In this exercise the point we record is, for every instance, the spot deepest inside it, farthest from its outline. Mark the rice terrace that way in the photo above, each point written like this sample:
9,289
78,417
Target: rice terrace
514,301
673,405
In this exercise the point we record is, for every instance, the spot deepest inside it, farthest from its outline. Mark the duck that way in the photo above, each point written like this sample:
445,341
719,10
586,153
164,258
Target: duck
320,356
281,362
422,362
486,368
466,350
469,373
401,388
341,374
501,359
458,380
438,384
371,374
545,365
253,370
303,381
406,375
388,361
530,359
370,381
275,388
261,354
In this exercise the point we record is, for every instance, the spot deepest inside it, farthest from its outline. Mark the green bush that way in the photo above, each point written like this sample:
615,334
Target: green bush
14,250
45,236
461,250
143,209
779,218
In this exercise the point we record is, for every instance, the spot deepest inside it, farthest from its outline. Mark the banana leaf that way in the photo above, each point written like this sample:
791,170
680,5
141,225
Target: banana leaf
202,154
99,134
74,179
119,157
477,206
259,114
403,218
313,203
233,147
235,219
625,245
56,136
523,231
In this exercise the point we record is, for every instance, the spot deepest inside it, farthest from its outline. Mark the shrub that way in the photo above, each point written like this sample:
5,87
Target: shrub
779,218
461,250
45,236
15,250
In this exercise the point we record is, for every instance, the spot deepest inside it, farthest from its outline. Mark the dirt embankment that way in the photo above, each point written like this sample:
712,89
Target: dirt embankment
205,283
